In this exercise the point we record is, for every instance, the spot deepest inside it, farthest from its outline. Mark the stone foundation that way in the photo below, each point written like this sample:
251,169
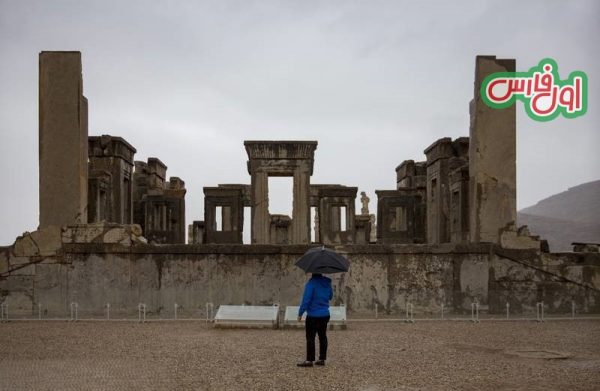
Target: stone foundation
93,274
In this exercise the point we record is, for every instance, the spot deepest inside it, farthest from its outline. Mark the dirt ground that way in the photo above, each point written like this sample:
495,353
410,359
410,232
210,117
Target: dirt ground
367,356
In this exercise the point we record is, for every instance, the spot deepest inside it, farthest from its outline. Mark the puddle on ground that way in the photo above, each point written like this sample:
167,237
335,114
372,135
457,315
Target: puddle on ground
540,354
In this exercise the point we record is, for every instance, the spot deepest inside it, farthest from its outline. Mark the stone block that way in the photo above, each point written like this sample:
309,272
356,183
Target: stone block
51,288
474,276
123,234
18,261
3,263
518,239
25,246
27,270
18,294
117,235
48,240
83,233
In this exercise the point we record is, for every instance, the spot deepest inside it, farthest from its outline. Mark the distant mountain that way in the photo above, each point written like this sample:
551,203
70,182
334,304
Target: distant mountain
570,216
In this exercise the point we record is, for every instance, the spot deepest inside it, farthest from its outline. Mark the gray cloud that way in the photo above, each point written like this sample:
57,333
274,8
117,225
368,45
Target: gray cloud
374,82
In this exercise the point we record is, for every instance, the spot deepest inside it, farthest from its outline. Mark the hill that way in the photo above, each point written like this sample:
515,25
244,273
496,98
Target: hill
570,216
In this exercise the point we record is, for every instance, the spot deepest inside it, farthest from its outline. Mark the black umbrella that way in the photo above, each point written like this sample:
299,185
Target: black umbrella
322,260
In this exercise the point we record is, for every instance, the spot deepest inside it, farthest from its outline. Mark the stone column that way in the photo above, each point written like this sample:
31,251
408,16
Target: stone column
301,207
63,138
438,155
261,221
492,159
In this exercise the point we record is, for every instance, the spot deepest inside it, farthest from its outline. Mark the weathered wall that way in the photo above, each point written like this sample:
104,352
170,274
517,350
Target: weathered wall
94,274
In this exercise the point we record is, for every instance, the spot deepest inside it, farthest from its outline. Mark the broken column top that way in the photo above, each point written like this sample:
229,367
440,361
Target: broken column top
176,183
110,146
446,148
411,168
461,147
440,149
155,166
141,166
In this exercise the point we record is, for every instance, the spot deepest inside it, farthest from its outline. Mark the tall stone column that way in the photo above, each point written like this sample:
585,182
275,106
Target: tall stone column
492,159
260,208
63,140
301,206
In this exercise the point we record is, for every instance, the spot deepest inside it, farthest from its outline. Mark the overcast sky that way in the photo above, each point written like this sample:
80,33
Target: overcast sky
373,82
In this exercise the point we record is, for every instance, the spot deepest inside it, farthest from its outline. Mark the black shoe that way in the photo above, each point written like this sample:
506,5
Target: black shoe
320,362
305,364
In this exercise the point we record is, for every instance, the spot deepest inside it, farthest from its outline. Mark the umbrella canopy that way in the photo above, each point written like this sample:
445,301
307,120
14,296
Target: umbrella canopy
322,260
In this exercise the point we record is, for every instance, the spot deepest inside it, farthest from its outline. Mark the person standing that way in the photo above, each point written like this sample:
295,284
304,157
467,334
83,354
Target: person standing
315,302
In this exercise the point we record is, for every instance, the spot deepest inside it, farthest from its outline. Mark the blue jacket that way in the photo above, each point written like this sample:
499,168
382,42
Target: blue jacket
315,300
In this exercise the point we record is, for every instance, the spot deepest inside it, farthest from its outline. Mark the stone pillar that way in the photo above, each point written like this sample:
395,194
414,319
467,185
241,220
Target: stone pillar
99,190
459,204
280,229
438,225
115,155
492,159
63,136
260,208
301,207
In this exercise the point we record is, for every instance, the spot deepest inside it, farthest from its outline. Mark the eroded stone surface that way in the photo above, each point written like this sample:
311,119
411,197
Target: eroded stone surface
63,140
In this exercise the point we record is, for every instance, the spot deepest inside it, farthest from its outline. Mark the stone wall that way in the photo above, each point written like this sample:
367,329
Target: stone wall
125,273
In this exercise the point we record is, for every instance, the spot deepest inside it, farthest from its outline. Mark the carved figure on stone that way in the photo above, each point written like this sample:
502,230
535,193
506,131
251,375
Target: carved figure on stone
373,220
365,203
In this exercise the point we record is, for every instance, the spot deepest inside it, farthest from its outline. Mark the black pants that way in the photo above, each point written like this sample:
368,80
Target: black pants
314,326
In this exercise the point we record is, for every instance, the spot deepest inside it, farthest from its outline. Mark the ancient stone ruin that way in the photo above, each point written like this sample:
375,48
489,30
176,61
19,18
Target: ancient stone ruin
112,229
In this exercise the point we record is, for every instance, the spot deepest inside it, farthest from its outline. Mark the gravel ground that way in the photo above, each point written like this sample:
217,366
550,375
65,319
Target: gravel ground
367,356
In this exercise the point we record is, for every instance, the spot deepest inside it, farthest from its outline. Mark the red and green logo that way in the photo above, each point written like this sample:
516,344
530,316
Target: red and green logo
543,94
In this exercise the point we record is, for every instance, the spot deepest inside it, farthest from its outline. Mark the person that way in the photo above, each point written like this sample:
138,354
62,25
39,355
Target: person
315,302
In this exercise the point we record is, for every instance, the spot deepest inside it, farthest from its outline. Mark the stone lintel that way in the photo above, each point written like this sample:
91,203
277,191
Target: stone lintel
174,193
280,149
400,192
219,192
338,191
244,189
